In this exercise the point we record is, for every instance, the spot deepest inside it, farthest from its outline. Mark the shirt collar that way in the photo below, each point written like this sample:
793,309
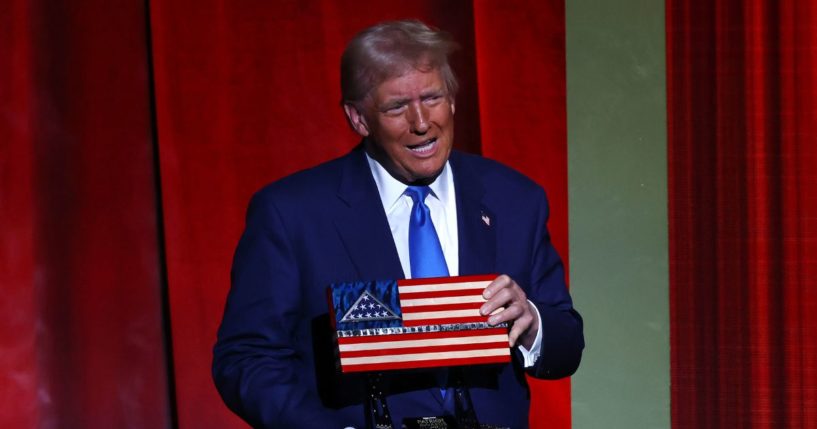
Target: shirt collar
391,189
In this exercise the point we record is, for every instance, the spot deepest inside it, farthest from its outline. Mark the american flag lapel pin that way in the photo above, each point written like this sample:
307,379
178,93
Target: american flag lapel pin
486,219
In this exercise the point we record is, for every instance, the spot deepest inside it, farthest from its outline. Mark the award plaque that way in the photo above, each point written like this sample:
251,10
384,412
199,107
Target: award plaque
409,324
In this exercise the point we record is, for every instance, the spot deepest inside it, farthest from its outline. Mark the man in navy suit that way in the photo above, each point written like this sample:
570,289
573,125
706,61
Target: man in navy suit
348,220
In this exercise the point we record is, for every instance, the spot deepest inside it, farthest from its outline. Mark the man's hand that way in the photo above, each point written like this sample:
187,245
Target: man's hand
504,295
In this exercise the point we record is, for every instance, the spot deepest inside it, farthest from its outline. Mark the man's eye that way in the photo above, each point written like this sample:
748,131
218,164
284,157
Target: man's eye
434,99
393,110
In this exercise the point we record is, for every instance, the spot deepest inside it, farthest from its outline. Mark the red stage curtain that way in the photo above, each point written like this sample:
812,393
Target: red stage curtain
248,92
81,341
522,103
245,92
742,78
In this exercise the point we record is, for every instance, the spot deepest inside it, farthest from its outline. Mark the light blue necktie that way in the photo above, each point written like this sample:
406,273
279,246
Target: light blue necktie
425,253
426,256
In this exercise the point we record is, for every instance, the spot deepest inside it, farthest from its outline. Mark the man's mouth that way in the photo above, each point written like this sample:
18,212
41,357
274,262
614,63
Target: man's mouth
424,147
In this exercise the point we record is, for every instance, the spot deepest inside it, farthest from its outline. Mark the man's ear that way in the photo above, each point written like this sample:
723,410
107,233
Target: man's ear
356,119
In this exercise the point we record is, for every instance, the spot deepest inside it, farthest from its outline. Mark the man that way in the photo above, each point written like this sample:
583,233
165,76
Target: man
349,220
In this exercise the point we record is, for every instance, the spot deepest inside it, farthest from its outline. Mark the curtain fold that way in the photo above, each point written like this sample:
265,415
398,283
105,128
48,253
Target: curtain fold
742,79
81,331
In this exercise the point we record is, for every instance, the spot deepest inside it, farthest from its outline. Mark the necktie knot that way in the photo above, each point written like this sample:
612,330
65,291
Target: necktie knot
418,193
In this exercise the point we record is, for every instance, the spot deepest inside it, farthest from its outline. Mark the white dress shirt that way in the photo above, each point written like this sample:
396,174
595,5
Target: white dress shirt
442,203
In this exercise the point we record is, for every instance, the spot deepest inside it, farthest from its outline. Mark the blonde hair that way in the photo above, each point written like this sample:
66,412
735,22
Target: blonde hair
390,49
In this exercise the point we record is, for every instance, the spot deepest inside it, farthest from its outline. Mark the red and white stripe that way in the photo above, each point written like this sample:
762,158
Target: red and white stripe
442,301
423,350
431,302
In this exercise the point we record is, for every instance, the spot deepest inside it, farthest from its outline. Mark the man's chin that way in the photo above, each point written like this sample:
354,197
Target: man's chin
422,178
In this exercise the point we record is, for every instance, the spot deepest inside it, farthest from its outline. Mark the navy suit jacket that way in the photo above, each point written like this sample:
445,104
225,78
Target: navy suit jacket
273,361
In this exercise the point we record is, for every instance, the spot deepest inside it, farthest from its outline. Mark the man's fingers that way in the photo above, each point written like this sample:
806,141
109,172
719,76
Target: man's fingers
519,326
507,314
499,299
507,302
498,284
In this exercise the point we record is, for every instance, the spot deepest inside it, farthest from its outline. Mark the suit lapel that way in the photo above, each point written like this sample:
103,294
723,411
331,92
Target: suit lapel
476,224
362,224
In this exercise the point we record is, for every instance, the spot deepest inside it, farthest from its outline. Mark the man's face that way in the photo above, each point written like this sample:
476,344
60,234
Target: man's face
409,122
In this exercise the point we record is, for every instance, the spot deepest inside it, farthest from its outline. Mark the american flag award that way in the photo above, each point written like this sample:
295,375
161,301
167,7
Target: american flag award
417,323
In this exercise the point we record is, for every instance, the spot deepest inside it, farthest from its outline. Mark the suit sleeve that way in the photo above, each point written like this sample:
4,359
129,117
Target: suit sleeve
257,362
562,329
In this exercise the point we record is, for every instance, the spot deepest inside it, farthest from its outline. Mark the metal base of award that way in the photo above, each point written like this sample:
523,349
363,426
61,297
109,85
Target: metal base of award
378,416
463,407
376,409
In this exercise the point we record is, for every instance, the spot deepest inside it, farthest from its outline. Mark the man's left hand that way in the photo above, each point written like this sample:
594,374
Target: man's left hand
505,295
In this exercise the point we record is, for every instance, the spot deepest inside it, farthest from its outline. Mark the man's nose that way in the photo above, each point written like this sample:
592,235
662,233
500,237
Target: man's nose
418,118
